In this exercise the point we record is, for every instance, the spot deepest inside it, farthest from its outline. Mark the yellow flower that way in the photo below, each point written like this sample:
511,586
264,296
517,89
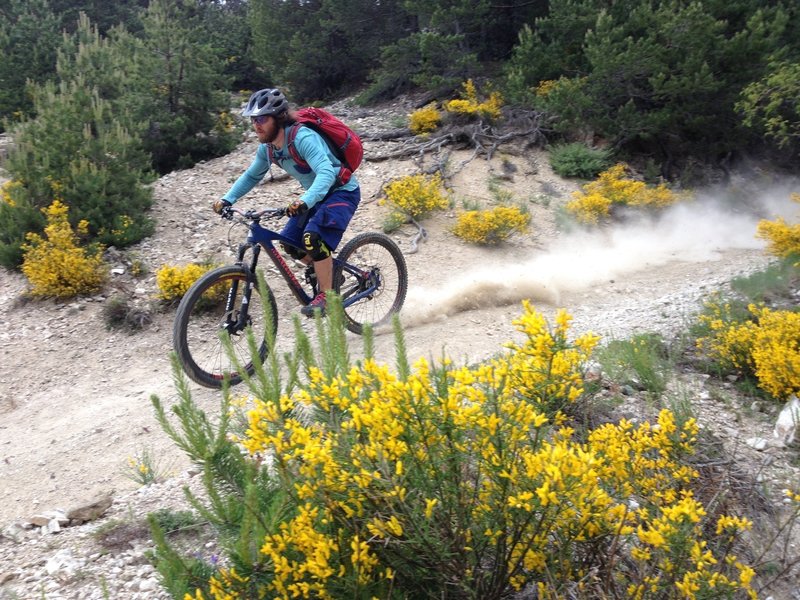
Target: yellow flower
491,226
430,504
55,264
611,188
425,120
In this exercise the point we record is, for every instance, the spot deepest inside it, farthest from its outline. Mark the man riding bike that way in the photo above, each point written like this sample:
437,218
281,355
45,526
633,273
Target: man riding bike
320,216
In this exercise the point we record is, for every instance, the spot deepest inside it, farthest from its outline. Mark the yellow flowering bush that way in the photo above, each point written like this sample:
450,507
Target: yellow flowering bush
776,352
416,195
55,264
441,480
728,335
224,123
8,190
545,87
470,105
491,226
174,281
613,188
425,119
783,238
766,345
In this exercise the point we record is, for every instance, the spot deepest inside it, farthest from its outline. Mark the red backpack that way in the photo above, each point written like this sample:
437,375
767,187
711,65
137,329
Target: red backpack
343,141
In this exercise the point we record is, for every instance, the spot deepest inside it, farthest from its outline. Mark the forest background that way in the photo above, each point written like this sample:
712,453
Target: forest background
100,97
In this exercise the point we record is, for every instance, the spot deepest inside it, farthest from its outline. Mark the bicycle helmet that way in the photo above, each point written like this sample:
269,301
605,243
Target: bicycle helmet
269,101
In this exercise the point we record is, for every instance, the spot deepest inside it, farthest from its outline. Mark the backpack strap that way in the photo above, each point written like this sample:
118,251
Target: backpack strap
344,174
291,133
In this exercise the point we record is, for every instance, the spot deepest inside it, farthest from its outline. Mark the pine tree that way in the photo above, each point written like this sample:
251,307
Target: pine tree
178,88
28,41
75,151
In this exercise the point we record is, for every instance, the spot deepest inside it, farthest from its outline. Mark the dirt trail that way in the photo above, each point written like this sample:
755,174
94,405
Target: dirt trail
74,397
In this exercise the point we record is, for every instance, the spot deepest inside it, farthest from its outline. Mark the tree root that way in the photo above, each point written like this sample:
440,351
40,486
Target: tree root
483,137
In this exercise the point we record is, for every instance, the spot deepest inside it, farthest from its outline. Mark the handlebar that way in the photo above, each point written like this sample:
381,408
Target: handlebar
252,215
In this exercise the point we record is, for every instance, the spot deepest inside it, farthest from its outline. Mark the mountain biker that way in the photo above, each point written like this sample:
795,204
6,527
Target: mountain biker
320,216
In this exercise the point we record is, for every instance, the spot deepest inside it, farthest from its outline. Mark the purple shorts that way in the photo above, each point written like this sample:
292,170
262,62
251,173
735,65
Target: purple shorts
328,218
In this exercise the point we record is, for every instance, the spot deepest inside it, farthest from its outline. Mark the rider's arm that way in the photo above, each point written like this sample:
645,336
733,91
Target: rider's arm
248,180
314,151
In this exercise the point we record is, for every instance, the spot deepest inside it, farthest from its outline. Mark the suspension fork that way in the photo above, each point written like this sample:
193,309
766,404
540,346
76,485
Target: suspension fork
241,321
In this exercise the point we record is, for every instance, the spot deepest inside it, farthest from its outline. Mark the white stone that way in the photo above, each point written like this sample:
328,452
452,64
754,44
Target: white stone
148,585
757,443
788,421
53,526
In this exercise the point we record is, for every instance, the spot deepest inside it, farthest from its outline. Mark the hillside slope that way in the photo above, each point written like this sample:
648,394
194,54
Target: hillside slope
74,396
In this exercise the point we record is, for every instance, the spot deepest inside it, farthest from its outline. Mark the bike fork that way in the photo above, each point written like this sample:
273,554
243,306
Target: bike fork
235,326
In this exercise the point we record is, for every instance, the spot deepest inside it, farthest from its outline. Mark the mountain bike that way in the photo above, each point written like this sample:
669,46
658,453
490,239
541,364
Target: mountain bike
369,274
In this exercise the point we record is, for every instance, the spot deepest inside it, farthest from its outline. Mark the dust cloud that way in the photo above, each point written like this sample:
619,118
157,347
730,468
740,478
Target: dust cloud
696,231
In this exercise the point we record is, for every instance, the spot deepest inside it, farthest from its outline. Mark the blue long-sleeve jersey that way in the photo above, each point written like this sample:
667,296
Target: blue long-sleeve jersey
316,179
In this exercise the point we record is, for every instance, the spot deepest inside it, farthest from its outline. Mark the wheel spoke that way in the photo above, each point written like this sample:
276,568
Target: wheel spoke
380,265
202,319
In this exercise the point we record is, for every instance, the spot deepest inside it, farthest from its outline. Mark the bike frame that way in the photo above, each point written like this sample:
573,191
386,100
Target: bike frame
261,237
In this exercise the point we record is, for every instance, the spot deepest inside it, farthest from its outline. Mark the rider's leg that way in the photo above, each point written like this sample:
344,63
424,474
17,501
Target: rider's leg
319,252
293,229
324,230
324,270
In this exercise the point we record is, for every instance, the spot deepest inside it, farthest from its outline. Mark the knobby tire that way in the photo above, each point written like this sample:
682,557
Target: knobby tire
199,322
375,253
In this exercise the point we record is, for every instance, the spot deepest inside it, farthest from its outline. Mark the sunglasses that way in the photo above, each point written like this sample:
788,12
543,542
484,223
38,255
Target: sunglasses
260,120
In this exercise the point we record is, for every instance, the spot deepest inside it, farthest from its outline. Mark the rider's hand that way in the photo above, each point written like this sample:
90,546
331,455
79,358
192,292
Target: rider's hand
220,205
298,207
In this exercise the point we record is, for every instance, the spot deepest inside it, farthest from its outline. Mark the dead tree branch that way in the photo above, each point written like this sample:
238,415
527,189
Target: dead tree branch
420,236
483,137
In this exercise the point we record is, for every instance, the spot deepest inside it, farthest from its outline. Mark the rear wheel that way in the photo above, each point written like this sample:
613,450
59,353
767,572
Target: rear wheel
201,318
373,265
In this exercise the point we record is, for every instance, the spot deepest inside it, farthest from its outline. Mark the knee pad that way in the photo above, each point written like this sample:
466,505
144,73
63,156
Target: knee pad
314,246
295,253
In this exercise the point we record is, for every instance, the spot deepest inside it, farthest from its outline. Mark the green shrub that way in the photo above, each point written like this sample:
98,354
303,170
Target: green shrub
640,361
29,36
427,59
578,160
179,89
76,151
776,284
171,521
772,105
18,217
441,481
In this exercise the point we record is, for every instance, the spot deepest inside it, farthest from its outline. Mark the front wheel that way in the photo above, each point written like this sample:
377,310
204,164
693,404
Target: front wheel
202,318
372,278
